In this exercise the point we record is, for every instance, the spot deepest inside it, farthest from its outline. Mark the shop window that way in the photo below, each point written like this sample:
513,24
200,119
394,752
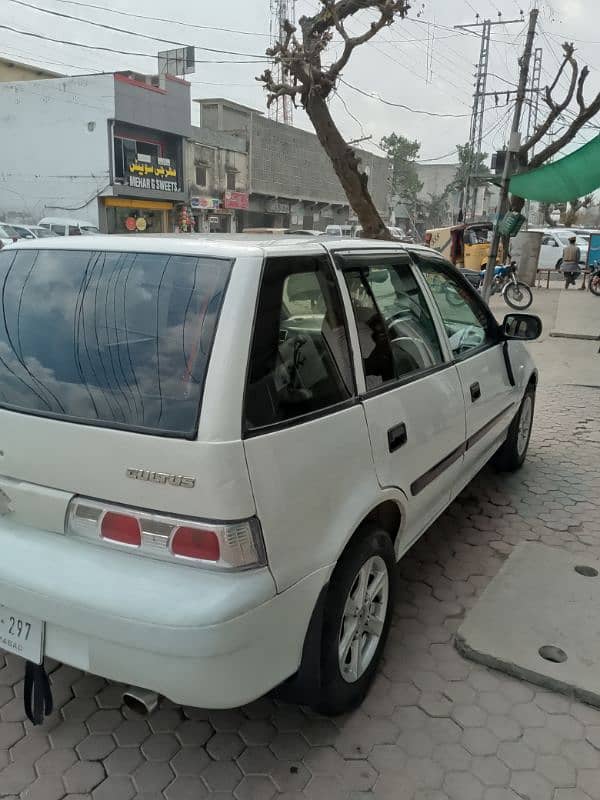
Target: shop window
201,175
231,179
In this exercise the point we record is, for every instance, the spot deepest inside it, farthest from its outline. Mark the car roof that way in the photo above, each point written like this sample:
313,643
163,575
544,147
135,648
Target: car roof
232,245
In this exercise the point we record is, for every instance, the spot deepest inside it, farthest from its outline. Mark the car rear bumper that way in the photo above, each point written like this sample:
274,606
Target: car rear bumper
200,638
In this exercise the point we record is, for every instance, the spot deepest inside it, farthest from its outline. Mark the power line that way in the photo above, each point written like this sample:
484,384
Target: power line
105,26
372,96
113,50
164,19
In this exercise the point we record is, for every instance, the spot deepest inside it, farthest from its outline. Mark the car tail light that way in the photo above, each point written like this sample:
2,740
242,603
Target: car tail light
121,528
227,546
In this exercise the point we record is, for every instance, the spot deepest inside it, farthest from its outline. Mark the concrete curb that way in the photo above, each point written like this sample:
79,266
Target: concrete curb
584,336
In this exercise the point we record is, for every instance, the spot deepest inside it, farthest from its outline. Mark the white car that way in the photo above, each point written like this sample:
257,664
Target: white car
554,240
8,234
32,231
215,450
69,226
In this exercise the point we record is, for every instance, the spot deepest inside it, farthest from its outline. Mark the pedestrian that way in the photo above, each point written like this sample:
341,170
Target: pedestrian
570,262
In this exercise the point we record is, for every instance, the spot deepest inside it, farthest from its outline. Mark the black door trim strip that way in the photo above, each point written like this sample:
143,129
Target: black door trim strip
433,473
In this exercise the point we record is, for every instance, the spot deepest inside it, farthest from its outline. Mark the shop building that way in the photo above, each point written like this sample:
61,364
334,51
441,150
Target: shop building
112,150
217,180
291,183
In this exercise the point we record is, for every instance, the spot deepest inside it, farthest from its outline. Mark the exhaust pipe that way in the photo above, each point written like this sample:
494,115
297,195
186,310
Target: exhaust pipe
142,701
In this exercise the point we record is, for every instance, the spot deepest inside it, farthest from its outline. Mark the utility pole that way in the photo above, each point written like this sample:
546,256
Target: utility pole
477,117
513,146
534,105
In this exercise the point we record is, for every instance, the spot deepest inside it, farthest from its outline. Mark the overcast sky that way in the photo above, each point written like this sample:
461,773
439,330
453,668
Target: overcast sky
423,63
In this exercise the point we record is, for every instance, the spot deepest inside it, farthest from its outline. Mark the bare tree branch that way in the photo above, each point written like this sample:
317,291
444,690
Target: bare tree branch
556,109
300,72
586,113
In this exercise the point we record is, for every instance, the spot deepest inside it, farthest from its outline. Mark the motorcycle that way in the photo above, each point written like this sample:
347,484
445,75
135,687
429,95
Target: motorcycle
516,294
594,282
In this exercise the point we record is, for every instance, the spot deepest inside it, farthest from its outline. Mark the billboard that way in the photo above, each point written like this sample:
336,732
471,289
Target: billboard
181,61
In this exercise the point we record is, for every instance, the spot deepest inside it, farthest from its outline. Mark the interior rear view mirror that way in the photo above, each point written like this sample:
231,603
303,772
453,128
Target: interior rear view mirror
522,326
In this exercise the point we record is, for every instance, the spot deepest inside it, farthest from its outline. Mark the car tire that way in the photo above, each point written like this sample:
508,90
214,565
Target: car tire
511,455
369,561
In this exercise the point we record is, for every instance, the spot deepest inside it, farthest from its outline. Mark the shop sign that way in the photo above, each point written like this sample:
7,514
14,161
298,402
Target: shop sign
277,207
239,200
213,219
145,174
199,202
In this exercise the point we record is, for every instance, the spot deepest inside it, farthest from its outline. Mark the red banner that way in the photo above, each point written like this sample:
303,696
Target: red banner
238,200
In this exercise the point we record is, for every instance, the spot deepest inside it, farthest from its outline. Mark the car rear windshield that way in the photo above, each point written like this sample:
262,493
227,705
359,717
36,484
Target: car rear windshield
120,340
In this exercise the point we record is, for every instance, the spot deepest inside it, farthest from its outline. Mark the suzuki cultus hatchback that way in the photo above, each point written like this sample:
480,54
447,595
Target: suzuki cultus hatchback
214,450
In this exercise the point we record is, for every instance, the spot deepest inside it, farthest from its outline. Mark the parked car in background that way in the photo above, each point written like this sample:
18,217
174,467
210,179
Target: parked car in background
305,232
344,231
67,226
397,233
267,427
32,231
8,234
554,240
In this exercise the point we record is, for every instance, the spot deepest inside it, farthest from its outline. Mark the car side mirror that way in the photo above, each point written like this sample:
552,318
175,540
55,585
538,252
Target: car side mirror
522,326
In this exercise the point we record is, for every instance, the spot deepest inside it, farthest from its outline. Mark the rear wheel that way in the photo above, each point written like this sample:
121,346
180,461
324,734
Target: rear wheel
595,283
511,455
356,621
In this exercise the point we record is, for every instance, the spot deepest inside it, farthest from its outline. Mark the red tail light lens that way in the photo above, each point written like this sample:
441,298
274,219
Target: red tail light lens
194,543
121,528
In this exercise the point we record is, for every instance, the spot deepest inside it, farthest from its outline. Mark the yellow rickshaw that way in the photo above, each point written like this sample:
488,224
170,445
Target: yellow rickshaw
465,245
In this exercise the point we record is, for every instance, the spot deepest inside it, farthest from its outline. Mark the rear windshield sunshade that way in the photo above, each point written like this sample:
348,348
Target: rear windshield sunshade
120,340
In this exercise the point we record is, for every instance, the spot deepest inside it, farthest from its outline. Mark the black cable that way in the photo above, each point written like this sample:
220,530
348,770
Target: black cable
129,33
113,50
401,105
163,19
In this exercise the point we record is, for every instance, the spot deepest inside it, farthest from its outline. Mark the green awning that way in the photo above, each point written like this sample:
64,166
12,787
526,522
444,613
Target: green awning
573,176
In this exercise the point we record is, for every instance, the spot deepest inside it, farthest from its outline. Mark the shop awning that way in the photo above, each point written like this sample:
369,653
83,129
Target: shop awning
573,176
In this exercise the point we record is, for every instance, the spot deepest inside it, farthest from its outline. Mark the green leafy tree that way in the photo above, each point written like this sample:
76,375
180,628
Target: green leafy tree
403,154
469,164
436,210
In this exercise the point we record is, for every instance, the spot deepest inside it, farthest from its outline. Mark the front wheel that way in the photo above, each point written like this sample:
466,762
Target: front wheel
595,283
357,618
518,295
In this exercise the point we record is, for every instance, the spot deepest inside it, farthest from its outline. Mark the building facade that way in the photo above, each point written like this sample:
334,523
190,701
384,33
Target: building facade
11,70
104,148
291,182
217,180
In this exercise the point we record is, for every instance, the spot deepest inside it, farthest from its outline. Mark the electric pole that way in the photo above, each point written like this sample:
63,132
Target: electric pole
513,147
469,202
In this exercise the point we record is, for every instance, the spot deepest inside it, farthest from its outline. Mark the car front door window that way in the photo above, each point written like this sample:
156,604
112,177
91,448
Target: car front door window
468,325
396,331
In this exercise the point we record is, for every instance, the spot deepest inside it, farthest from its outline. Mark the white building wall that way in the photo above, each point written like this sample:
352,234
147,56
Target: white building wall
54,147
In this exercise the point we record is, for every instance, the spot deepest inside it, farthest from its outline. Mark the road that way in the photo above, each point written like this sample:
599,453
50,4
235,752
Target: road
434,727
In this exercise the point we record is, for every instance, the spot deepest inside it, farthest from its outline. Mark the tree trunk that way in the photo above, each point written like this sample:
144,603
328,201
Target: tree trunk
345,163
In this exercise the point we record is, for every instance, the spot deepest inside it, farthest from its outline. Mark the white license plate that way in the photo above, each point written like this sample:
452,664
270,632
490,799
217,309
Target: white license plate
21,635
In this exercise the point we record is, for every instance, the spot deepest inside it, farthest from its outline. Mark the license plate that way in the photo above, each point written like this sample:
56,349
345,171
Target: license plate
21,635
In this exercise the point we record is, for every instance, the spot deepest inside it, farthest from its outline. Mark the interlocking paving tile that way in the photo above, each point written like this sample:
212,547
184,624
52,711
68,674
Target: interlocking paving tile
435,726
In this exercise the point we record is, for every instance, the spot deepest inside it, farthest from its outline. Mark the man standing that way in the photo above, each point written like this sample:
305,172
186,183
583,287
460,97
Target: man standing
570,262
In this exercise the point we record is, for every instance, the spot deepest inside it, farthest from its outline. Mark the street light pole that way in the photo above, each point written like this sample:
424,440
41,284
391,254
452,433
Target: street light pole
513,146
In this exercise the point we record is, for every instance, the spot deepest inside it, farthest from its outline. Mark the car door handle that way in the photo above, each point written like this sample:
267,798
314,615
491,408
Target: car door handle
397,436
475,391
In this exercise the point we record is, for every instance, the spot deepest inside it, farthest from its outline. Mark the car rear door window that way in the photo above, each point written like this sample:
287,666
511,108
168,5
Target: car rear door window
300,357
106,338
59,229
396,331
